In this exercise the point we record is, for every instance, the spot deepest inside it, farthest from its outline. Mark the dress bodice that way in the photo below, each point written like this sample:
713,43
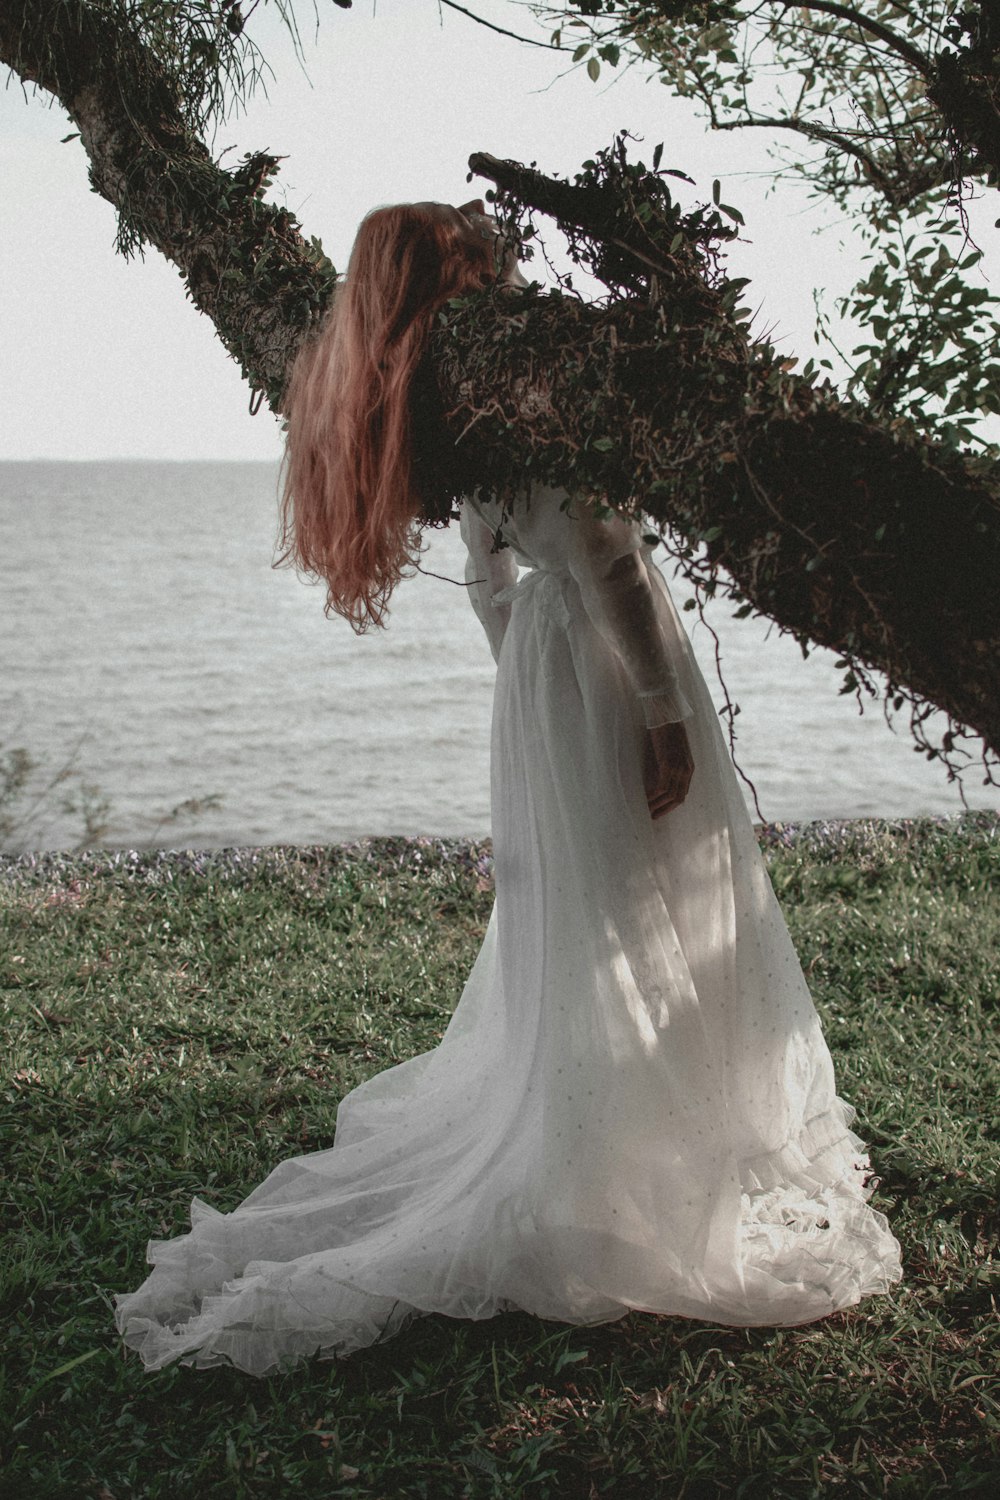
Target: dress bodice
601,561
543,531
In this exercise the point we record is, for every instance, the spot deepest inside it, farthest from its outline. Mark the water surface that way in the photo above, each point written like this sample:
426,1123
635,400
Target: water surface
147,645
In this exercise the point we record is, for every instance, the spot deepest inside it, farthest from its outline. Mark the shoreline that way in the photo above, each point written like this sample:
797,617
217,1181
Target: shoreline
835,838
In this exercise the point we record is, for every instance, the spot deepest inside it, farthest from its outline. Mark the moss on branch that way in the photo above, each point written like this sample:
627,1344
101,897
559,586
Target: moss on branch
846,529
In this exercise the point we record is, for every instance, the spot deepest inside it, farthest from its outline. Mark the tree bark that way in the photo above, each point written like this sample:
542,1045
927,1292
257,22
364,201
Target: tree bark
852,533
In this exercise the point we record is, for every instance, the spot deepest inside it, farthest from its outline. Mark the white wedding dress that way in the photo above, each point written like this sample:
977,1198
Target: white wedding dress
633,1105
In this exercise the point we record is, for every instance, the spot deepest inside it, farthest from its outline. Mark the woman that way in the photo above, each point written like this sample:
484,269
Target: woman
633,1105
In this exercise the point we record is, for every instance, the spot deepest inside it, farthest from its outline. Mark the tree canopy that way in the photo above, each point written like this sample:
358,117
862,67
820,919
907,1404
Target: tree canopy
887,110
860,520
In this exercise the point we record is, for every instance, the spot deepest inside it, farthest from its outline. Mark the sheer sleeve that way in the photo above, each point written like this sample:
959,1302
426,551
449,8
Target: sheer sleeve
607,561
486,573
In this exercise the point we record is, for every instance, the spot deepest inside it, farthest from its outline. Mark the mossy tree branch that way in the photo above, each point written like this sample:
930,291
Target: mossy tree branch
851,532
855,533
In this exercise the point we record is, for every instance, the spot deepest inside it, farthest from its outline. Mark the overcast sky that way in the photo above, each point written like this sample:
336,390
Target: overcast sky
105,359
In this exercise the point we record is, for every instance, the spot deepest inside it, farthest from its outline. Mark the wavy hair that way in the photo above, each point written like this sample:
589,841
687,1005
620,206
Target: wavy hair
351,501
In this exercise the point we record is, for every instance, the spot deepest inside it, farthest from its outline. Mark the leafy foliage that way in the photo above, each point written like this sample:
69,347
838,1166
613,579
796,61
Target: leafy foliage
932,351
671,323
203,47
838,75
771,485
884,100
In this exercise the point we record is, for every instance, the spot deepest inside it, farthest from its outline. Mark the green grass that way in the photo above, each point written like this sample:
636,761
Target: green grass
177,1025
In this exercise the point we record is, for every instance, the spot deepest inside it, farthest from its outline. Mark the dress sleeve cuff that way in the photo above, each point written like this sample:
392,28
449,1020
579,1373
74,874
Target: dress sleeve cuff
668,706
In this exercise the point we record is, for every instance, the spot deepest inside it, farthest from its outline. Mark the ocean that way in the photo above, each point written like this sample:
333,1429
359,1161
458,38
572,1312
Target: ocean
150,653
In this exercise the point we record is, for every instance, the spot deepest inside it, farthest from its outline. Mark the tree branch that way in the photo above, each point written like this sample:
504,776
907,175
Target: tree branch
501,30
898,189
847,531
962,81
892,39
816,133
850,531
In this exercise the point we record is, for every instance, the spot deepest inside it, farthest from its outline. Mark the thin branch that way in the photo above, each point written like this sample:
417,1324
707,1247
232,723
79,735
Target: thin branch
502,30
729,709
928,19
904,10
874,60
817,133
885,34
443,578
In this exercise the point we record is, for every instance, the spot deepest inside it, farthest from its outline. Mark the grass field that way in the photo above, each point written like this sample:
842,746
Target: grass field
176,1024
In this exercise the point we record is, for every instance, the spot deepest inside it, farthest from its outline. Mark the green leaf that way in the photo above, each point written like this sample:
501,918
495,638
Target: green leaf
594,69
56,1374
570,1357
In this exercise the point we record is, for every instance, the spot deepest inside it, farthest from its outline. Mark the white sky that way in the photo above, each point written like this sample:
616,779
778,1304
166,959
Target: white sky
106,359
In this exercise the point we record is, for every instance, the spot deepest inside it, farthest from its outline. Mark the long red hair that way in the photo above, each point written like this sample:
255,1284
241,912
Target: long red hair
351,501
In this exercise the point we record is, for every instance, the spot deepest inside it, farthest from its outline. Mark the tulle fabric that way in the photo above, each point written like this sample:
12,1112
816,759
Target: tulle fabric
633,1105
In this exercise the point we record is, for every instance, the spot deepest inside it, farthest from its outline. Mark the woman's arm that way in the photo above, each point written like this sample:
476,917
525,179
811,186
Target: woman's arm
486,573
608,564
606,559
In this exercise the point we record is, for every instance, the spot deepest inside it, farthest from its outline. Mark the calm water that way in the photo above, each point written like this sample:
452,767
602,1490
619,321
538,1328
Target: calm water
147,644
